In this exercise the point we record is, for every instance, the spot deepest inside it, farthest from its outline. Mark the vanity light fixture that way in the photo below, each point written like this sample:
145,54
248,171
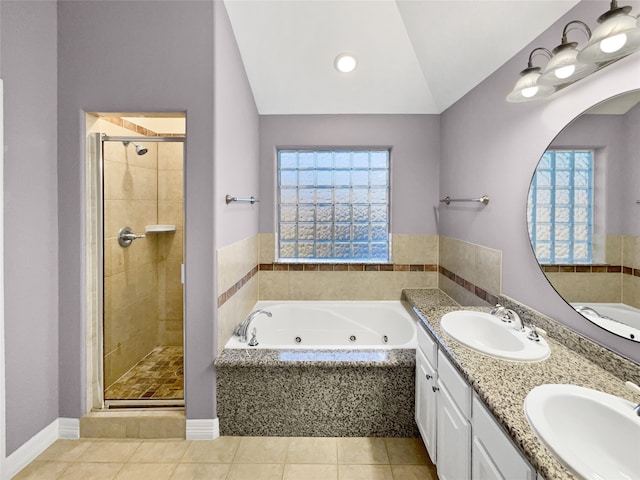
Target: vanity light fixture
345,63
617,36
564,66
528,87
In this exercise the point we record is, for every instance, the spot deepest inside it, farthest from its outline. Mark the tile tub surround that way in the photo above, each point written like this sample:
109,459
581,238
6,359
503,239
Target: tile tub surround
503,385
471,274
414,257
349,393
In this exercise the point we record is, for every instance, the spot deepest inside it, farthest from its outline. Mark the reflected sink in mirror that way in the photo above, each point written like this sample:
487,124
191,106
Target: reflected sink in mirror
488,334
594,434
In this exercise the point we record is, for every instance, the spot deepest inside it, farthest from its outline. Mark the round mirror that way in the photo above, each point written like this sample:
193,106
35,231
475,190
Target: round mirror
583,214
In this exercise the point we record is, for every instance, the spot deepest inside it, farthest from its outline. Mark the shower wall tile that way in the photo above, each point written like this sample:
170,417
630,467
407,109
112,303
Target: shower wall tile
170,185
117,152
170,245
126,182
143,307
171,213
170,156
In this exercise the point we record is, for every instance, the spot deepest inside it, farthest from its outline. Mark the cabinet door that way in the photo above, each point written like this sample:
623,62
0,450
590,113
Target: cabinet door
495,449
483,467
453,439
426,403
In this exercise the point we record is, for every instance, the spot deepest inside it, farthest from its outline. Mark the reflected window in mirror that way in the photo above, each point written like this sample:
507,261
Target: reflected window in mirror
560,207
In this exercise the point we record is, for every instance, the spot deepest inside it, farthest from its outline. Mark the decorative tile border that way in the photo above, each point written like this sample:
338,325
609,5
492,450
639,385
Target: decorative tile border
231,291
347,267
588,269
467,285
591,269
138,129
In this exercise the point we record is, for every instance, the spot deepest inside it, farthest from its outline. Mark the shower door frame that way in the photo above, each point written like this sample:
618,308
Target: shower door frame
95,263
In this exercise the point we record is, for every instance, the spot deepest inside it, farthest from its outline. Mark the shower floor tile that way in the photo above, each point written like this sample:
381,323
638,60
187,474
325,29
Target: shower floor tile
157,376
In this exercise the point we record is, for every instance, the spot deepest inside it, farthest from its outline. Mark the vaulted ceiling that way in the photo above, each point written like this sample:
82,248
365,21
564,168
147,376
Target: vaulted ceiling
414,56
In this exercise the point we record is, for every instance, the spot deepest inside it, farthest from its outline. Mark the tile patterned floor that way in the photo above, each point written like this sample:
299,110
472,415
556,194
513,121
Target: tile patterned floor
234,458
159,375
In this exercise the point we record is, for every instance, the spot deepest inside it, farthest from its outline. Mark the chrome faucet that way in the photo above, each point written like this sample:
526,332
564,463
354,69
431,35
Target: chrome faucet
508,316
243,327
636,389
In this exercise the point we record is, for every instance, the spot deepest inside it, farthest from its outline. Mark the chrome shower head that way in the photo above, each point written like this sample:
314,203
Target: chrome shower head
140,150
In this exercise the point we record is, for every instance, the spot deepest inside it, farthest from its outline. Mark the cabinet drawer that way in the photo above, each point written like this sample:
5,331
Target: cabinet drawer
458,388
427,345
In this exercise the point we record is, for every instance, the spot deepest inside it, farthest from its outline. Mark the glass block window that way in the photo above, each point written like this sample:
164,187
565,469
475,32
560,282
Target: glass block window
560,207
333,206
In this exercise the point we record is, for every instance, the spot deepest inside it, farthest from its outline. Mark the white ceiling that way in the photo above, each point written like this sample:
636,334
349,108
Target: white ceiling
414,56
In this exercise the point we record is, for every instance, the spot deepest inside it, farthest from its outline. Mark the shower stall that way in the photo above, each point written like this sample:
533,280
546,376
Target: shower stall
136,260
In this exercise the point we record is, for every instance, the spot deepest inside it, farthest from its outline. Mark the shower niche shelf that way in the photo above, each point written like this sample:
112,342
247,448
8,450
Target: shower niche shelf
160,228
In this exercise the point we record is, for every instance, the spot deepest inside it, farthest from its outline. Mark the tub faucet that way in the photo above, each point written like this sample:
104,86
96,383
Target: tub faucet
588,311
243,327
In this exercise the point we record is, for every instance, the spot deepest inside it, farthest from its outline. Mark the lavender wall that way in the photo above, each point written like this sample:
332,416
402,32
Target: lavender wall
631,177
491,146
236,138
415,154
137,57
28,32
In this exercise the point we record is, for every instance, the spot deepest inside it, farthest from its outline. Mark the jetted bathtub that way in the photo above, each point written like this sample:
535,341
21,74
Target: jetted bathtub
618,318
332,325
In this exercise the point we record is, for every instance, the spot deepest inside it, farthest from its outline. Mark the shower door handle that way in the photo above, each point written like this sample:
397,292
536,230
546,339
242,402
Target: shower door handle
126,236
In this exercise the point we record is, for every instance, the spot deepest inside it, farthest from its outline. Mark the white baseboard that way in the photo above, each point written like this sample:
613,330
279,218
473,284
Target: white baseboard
204,429
69,428
59,428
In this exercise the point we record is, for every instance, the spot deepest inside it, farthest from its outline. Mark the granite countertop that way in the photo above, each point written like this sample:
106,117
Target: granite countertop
245,357
503,385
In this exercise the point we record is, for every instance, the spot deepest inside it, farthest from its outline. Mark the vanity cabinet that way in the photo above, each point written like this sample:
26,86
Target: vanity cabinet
426,396
453,439
462,437
494,456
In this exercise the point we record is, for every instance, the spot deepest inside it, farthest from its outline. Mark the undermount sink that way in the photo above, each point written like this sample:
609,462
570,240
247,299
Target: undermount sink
489,335
594,434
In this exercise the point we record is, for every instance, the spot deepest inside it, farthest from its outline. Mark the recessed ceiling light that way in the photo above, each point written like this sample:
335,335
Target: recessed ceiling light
345,63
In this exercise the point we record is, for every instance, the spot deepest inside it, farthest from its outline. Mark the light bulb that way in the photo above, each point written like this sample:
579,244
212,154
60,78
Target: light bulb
345,63
613,44
529,92
565,72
